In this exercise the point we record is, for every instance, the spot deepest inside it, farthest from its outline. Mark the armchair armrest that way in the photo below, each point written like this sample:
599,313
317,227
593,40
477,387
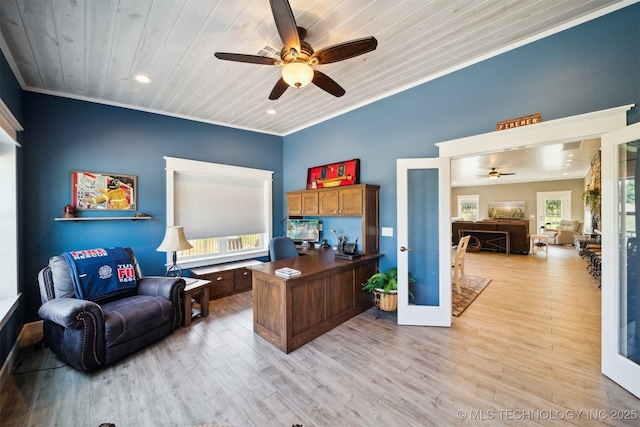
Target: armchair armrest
161,286
74,330
168,287
67,312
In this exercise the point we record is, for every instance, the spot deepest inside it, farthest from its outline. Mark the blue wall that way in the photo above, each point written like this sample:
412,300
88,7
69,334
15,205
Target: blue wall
587,68
590,67
62,135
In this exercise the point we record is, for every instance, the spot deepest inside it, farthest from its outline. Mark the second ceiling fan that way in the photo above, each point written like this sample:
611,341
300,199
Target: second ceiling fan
494,174
297,56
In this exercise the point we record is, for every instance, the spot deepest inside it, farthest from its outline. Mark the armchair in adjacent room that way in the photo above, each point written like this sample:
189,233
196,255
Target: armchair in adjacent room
563,235
89,330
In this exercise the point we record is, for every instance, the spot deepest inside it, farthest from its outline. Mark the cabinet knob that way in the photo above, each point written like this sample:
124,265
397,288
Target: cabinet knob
246,273
219,278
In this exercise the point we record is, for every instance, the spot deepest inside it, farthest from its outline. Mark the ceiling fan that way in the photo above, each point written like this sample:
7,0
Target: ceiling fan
494,174
297,56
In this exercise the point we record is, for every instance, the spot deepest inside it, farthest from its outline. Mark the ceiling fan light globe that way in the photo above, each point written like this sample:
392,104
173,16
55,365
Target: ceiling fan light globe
297,74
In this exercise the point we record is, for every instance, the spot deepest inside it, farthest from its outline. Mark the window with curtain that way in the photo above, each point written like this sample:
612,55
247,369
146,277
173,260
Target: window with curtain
225,210
9,126
468,207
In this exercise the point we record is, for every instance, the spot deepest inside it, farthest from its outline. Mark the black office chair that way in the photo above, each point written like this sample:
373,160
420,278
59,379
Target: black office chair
281,248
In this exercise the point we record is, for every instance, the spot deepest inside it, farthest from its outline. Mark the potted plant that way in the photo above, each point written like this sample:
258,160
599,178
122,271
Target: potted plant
384,287
591,198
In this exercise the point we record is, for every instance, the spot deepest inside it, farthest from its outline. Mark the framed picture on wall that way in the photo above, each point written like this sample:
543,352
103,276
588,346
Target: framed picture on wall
103,191
334,175
506,210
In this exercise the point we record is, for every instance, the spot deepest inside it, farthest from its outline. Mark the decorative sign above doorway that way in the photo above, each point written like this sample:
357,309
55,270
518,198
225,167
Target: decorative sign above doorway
519,121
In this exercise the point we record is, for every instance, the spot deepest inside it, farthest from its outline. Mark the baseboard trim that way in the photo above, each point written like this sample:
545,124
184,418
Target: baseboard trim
29,333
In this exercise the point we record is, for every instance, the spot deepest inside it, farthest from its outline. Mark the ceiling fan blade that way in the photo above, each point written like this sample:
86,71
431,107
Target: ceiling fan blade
251,59
286,24
278,89
327,84
503,173
346,50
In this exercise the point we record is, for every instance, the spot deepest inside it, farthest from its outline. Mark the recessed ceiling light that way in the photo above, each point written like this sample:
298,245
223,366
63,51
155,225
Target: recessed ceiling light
271,111
142,78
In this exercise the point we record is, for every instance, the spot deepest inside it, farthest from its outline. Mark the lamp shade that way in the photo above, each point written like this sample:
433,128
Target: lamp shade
297,74
174,240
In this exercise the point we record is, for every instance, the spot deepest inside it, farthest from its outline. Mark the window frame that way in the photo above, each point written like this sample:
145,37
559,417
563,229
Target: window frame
460,200
216,170
9,295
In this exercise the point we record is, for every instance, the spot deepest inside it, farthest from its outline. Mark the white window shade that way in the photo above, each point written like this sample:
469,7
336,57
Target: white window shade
209,206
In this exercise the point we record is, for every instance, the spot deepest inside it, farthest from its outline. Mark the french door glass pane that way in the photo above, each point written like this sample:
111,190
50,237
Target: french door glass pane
628,171
424,256
552,212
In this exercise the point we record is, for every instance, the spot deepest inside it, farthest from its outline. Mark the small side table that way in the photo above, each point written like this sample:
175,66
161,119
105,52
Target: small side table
194,288
539,242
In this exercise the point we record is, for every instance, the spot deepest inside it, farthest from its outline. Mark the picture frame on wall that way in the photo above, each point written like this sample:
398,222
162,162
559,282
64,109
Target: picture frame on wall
513,210
334,174
103,191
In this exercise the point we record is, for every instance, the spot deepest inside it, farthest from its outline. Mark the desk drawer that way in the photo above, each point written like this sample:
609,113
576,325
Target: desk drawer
221,284
242,278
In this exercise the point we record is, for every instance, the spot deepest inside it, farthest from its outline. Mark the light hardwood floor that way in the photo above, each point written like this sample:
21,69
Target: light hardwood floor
526,352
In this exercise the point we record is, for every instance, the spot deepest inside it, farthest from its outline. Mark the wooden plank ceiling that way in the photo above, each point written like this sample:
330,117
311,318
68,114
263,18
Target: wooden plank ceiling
91,50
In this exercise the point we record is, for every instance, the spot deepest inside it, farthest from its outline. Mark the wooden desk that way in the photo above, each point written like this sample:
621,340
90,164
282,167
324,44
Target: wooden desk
291,312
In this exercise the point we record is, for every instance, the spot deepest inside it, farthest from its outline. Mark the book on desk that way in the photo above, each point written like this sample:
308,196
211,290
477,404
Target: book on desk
287,272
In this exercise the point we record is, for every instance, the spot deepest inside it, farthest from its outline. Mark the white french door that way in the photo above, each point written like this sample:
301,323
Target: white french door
424,241
620,264
551,207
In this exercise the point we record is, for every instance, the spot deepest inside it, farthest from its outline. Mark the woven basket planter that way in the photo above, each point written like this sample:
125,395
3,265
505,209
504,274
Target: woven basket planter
388,302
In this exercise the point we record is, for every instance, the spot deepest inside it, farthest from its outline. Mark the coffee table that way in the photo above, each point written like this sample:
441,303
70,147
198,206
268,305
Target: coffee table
194,288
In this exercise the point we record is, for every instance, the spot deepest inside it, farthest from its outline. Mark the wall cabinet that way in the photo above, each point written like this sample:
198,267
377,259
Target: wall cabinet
354,200
347,201
302,203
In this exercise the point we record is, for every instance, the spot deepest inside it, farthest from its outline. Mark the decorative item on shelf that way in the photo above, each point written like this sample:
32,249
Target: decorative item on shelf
141,215
334,175
174,241
68,211
384,287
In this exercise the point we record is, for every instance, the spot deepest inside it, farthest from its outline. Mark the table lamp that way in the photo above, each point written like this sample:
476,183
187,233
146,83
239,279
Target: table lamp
174,241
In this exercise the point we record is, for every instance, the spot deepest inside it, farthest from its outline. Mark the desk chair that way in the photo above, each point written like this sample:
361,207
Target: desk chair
457,264
282,248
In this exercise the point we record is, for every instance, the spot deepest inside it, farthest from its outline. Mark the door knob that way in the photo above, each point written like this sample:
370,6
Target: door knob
404,249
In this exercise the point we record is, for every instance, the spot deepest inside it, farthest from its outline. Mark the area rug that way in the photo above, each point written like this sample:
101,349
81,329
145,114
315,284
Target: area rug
471,287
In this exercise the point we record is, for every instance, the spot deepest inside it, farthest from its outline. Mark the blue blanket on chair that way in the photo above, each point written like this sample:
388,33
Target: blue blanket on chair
100,273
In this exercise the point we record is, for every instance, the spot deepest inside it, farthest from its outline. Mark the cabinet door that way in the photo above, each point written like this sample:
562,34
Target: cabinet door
328,201
350,202
309,203
294,204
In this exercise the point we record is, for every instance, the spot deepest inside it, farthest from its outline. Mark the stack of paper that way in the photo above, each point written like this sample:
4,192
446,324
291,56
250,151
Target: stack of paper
287,272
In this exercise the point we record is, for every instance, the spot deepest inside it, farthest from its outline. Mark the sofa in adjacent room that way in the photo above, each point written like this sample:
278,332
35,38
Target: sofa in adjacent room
89,331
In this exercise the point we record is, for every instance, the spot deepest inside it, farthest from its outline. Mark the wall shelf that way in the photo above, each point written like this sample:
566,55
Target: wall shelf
103,218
